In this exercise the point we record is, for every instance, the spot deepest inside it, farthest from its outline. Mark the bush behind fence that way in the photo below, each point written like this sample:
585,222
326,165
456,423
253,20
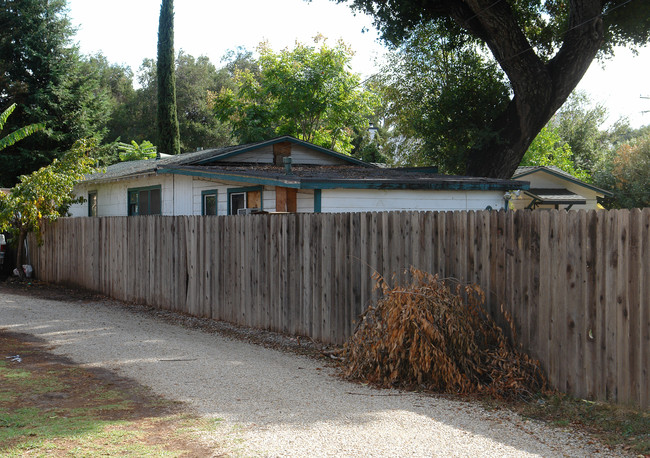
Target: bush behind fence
576,283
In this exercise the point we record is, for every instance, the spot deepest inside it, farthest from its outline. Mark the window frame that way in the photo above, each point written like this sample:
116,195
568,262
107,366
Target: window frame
138,191
90,208
246,190
210,192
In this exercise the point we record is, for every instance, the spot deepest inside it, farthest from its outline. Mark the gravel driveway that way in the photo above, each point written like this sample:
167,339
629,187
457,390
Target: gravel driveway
274,403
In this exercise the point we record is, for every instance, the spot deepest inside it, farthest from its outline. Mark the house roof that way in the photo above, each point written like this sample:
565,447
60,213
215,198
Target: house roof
559,173
208,156
352,173
351,177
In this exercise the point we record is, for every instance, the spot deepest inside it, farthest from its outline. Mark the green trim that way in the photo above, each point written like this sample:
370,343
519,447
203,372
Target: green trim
418,186
334,184
247,189
145,188
317,200
91,193
286,138
209,192
231,177
564,176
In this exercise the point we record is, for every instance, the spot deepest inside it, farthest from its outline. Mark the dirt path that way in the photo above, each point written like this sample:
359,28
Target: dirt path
274,403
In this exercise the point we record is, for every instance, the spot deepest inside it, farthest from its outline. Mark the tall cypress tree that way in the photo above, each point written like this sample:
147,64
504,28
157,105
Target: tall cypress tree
168,135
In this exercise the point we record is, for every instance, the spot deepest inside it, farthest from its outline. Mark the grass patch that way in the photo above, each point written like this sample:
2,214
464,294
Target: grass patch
612,424
50,407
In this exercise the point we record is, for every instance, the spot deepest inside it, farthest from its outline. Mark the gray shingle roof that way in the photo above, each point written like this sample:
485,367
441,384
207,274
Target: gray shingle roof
133,168
306,177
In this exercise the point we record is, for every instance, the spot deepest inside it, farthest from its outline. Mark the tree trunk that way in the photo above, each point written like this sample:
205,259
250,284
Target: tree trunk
539,88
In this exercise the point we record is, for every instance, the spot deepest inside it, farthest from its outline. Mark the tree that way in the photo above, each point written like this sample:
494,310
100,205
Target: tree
544,48
45,195
579,123
549,148
135,118
168,132
43,73
304,92
17,135
135,152
627,174
442,93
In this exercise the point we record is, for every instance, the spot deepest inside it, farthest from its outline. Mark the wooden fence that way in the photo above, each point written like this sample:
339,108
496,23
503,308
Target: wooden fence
576,283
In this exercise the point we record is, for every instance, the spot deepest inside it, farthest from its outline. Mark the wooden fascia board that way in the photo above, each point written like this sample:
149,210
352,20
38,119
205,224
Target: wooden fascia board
564,177
285,139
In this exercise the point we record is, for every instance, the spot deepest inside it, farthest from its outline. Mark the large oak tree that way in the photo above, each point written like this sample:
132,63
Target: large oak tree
543,46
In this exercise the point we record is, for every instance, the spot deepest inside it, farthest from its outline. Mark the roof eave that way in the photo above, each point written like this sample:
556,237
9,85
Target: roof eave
564,177
312,183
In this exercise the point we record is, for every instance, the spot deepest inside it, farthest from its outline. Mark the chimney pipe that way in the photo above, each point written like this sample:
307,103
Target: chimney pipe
287,165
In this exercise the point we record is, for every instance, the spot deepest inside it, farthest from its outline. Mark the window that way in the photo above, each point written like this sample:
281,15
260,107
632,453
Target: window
237,202
209,202
144,201
243,198
92,203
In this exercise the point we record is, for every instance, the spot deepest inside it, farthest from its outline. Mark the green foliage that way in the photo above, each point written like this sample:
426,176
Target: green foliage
46,194
135,152
168,130
549,148
544,48
579,124
543,23
444,94
195,79
304,92
627,174
42,72
16,135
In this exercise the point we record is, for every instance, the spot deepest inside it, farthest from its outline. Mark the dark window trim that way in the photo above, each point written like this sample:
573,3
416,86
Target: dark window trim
93,193
247,189
144,188
209,192
318,197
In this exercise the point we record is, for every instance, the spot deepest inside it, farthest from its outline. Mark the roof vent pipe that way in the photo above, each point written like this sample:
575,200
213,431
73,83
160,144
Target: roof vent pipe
287,165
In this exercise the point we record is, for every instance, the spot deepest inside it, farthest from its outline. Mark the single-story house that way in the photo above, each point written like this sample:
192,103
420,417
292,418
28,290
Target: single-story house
279,175
551,187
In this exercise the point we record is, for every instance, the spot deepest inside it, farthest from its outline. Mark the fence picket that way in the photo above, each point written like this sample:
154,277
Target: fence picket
576,283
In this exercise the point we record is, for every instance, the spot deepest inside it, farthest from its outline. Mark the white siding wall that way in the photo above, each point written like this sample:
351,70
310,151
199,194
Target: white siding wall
181,195
353,200
257,156
300,155
305,201
112,197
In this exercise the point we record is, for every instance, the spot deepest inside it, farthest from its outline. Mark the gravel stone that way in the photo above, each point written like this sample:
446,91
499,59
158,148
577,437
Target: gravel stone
276,403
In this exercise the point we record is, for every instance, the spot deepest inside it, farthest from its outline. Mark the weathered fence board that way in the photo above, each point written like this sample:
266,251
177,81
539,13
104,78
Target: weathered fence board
577,284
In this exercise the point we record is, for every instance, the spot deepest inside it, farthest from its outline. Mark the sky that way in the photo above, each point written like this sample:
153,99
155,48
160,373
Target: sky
126,32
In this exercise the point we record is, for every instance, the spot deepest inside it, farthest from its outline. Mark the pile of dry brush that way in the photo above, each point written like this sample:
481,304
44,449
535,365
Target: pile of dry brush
436,337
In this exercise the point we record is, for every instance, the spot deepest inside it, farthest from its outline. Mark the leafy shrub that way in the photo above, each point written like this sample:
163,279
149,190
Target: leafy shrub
430,335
